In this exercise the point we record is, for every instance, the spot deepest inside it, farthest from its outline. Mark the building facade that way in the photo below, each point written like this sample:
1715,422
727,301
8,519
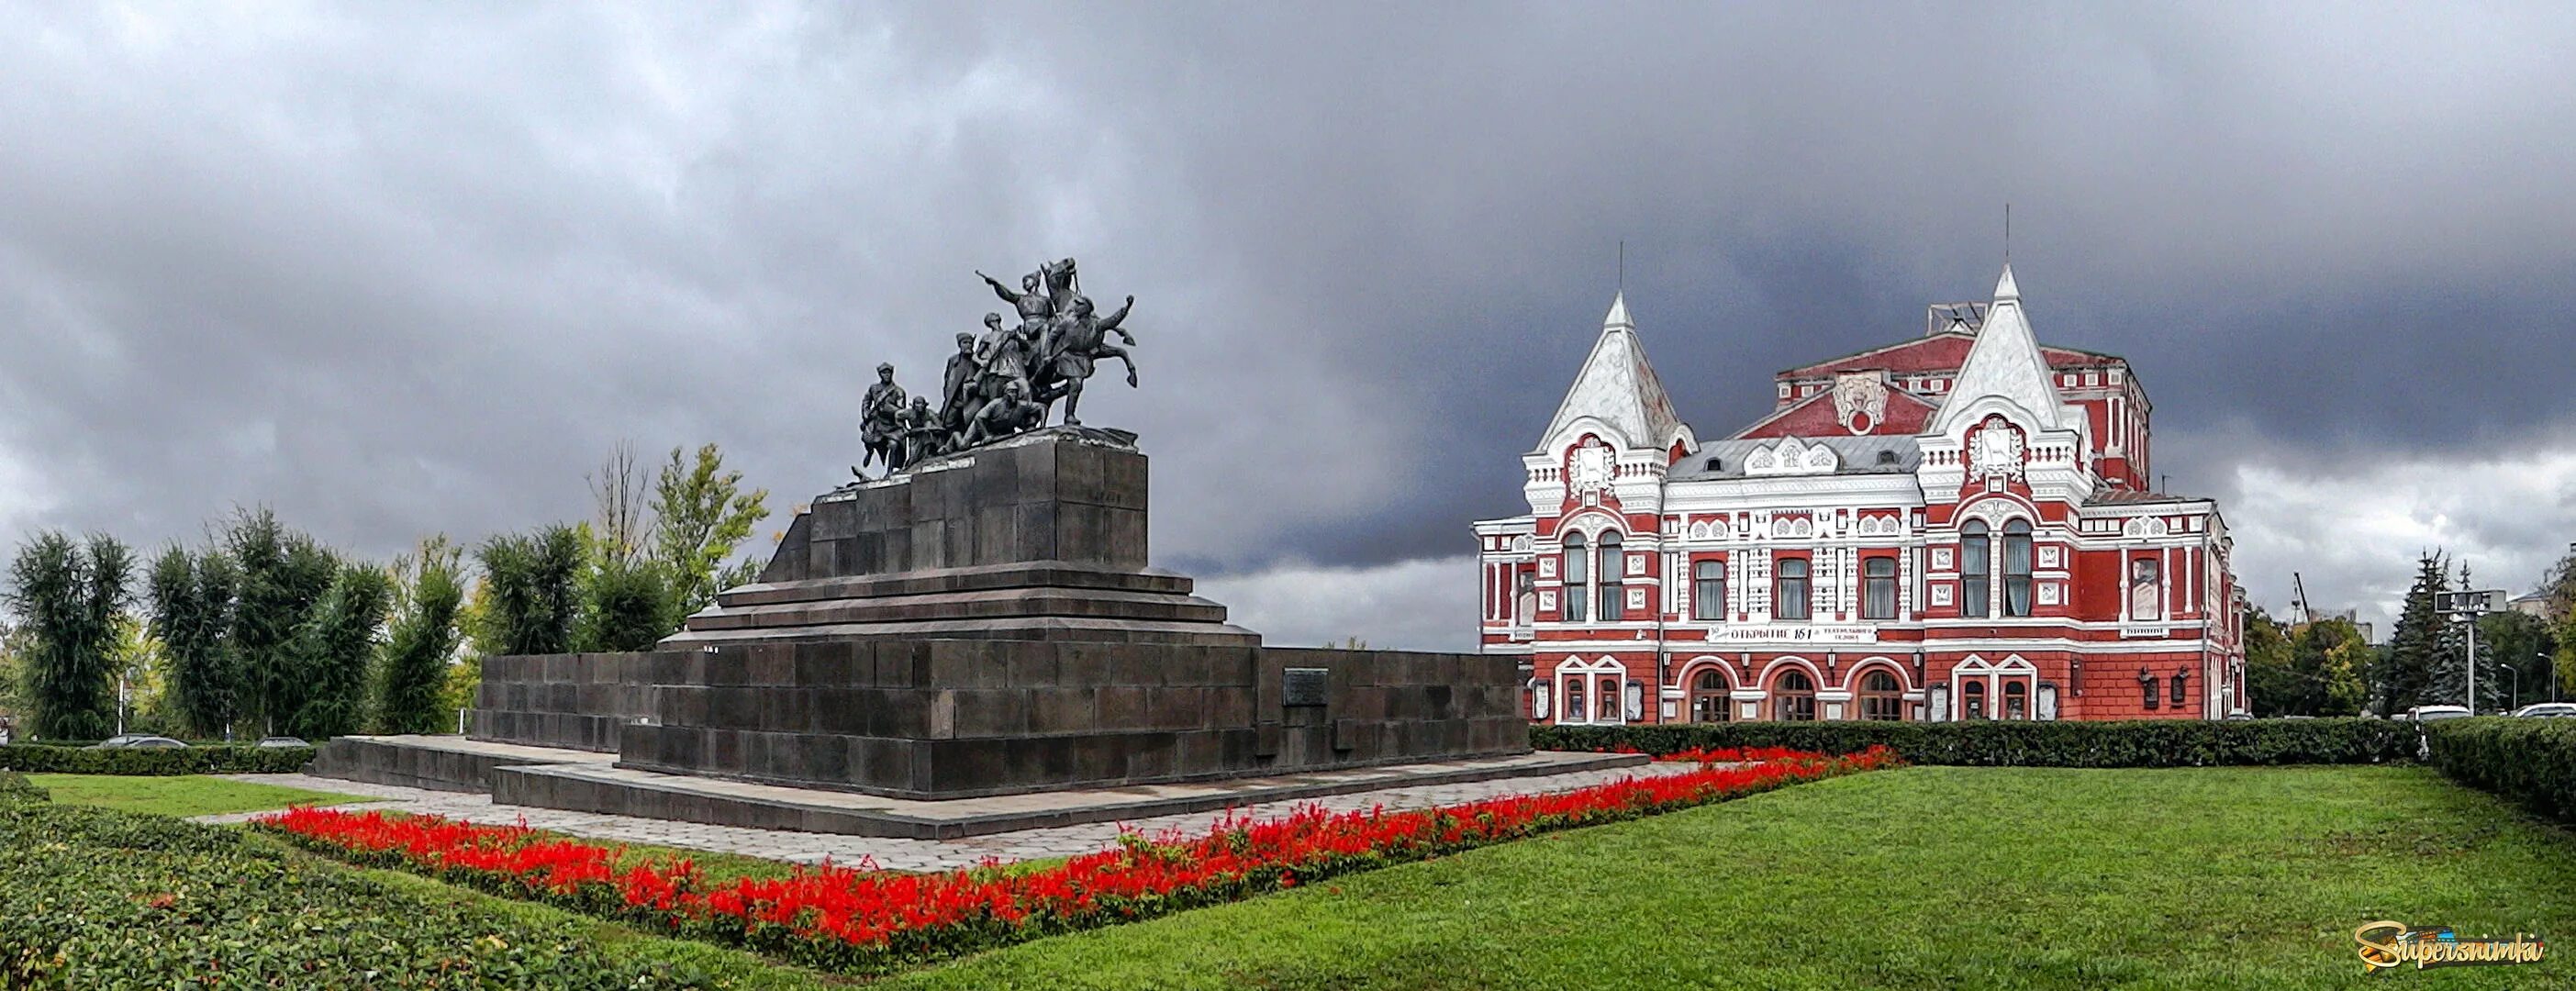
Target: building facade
1960,525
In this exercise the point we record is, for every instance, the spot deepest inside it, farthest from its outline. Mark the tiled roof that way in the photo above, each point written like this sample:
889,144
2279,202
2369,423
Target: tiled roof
1928,355
1816,416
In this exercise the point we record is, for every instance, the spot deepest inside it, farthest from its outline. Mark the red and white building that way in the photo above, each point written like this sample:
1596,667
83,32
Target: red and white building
1957,526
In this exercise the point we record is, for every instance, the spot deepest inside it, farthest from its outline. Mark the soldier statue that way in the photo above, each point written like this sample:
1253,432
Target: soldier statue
922,434
1074,342
879,428
1008,414
957,385
1003,381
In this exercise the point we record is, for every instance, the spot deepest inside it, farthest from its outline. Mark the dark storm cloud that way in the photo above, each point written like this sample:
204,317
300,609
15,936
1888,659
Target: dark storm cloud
415,271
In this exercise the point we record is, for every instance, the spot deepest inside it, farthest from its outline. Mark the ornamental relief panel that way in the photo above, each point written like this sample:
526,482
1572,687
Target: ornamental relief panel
1996,450
1860,400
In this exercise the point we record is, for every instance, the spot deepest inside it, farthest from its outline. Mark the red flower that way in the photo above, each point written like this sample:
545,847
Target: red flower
887,917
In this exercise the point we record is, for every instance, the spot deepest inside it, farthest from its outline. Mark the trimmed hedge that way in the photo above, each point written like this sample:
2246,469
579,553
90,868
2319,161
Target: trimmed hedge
93,898
2141,743
14,787
38,758
2529,761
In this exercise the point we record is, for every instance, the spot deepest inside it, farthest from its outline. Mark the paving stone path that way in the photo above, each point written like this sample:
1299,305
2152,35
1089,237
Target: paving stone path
903,854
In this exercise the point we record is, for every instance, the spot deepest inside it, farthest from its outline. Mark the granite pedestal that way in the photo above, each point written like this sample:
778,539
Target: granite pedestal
983,625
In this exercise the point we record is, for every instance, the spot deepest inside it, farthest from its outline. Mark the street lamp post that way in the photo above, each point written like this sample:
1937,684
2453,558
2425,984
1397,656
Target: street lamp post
2466,607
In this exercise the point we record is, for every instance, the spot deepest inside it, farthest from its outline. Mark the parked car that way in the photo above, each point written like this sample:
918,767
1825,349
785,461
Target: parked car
2547,710
137,741
280,742
2430,713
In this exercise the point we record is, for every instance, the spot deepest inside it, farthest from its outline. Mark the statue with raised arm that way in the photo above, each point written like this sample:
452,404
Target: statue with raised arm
1029,301
1074,341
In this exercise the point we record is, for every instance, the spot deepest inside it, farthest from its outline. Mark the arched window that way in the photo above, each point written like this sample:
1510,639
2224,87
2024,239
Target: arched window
1878,588
1708,698
1578,587
1574,710
1613,565
1607,700
1708,590
1881,697
1789,601
1975,562
2016,699
1972,699
1793,696
2017,568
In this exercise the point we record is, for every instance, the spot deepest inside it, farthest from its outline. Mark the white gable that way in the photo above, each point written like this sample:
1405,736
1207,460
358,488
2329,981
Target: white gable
2005,363
1617,388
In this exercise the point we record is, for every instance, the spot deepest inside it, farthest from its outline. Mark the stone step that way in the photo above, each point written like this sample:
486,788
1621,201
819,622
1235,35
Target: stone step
692,798
1070,603
436,763
1035,574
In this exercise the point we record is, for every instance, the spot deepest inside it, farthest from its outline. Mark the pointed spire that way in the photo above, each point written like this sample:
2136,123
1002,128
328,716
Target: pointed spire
1618,388
2005,363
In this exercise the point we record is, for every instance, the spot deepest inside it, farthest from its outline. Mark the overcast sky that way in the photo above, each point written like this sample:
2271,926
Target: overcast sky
400,271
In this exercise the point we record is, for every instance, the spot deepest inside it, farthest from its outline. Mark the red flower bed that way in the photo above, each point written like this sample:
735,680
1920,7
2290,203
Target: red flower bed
871,921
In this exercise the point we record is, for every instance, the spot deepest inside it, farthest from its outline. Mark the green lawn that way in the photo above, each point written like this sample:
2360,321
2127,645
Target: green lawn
192,795
1922,878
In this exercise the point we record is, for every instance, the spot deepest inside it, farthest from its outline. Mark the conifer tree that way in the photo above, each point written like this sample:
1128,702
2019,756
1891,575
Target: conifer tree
2405,676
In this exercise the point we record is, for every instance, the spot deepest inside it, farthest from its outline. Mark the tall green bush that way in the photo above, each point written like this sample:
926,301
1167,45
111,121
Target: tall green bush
2142,743
628,607
67,598
422,644
192,614
283,577
533,594
334,650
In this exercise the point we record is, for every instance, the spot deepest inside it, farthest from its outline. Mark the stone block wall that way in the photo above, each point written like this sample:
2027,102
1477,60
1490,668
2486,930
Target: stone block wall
572,701
1064,494
957,718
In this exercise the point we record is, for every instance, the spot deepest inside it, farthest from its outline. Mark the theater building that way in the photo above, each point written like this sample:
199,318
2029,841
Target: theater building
1960,525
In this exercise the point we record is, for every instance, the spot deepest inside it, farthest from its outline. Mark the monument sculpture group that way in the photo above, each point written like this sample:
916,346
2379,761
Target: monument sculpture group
979,621
1005,381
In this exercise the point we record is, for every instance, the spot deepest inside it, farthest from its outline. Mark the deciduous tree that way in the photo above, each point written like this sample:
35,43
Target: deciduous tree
701,516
